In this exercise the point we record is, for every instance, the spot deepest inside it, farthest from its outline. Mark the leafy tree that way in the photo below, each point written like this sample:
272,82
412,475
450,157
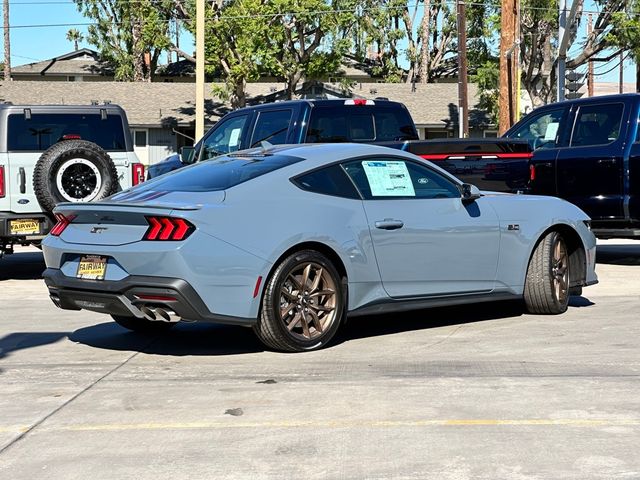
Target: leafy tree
304,39
129,34
626,34
74,35
538,50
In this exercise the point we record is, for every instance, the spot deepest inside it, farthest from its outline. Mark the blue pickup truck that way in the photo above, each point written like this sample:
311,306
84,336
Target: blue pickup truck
490,164
587,151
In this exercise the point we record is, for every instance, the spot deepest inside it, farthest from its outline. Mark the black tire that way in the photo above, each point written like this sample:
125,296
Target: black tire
87,174
141,325
546,288
324,313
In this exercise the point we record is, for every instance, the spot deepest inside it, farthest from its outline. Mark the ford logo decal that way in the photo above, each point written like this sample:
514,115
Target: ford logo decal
23,201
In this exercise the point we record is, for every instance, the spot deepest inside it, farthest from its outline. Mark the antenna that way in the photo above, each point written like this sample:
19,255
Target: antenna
265,146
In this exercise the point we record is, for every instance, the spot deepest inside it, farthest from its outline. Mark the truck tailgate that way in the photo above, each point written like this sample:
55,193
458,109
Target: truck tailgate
496,164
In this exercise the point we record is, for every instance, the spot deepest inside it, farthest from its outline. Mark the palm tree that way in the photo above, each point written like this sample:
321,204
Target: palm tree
74,35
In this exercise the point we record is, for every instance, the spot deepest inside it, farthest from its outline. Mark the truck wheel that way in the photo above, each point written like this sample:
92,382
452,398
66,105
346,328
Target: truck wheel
73,171
546,288
303,304
141,325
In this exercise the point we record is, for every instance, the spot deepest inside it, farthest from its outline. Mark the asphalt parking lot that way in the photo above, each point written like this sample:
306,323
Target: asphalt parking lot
454,393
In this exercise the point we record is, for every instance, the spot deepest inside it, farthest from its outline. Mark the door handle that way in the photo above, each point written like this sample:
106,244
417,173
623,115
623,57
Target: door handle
389,224
607,161
23,180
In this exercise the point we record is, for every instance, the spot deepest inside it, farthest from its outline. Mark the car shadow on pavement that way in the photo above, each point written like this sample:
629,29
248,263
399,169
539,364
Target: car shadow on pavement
22,266
183,339
618,254
388,324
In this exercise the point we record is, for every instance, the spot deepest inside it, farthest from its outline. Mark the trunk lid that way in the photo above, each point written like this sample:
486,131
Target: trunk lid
121,219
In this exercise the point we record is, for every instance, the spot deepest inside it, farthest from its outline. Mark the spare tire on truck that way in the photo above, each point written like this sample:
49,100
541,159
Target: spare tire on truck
74,171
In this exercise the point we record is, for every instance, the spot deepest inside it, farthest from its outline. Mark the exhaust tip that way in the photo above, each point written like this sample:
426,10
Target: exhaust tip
148,313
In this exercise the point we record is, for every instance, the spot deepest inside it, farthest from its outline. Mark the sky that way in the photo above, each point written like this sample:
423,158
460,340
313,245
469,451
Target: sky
31,44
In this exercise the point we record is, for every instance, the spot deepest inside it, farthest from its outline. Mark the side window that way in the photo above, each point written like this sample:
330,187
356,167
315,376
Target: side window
226,138
597,125
541,130
271,127
396,178
329,181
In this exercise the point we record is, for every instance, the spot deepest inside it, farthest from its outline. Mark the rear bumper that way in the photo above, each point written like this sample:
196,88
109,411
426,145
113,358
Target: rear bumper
122,297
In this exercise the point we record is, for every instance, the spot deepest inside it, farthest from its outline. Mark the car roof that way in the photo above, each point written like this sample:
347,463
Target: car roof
320,103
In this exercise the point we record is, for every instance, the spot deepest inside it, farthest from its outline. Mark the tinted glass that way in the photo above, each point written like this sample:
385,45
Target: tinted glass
140,138
344,123
271,127
541,130
226,138
597,125
44,130
219,174
329,181
380,178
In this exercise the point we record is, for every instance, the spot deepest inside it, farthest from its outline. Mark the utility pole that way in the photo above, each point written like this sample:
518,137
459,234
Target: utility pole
590,75
562,22
199,69
7,41
463,103
507,41
621,86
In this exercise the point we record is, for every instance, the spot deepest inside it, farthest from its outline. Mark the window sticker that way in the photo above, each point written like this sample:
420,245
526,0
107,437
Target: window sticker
235,137
388,179
552,130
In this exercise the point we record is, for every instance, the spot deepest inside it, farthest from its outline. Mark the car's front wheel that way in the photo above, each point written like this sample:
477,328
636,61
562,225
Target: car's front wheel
546,288
141,325
303,304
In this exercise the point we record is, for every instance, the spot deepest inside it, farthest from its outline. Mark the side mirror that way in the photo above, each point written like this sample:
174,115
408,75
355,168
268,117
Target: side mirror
469,192
187,155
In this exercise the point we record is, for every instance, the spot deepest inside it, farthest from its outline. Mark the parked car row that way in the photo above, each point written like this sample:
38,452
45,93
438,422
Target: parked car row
290,239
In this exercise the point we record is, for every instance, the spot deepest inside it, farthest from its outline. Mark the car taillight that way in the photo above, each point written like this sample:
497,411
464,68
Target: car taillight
168,228
2,192
138,173
63,222
532,172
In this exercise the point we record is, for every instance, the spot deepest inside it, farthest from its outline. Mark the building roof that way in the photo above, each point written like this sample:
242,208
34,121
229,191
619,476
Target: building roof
173,104
80,62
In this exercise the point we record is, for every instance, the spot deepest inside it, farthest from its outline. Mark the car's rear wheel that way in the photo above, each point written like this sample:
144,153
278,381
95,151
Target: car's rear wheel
141,325
546,288
303,304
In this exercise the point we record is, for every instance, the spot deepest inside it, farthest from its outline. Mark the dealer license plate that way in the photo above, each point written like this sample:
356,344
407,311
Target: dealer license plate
24,226
92,267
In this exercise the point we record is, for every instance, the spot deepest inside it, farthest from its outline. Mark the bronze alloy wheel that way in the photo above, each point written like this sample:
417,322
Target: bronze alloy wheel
548,280
560,270
303,303
308,301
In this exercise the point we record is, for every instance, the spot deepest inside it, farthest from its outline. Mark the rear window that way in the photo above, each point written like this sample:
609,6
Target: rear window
43,130
346,123
220,173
